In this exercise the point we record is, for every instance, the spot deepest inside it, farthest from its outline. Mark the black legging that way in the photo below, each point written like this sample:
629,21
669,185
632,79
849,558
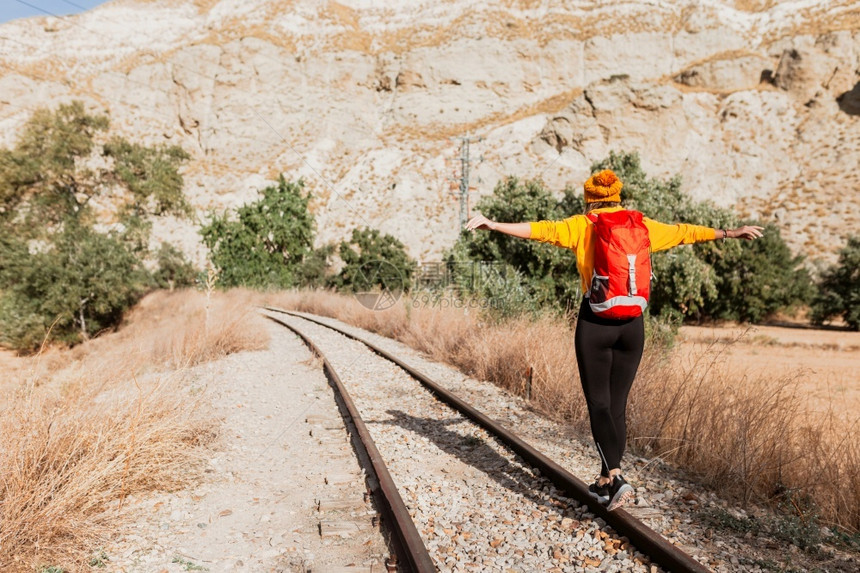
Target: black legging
608,353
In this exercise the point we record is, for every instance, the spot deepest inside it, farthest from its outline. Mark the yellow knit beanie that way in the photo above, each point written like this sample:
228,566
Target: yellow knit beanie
603,186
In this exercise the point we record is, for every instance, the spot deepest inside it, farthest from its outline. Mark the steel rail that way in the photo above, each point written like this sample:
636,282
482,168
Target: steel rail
408,543
640,535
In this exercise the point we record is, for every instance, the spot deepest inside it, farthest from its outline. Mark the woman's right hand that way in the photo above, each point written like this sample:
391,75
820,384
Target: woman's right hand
480,222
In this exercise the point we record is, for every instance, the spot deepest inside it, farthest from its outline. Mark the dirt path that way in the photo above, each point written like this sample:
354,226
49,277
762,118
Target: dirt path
256,510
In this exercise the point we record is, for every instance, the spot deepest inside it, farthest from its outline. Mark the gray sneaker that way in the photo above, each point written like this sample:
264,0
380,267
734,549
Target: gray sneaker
620,493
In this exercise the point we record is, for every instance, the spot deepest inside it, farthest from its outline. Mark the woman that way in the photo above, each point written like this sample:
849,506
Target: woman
608,351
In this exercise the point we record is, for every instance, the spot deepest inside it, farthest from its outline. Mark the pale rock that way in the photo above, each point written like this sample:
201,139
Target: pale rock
638,55
726,74
805,73
409,79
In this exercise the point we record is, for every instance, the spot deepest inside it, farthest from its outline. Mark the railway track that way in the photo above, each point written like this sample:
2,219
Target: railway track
457,491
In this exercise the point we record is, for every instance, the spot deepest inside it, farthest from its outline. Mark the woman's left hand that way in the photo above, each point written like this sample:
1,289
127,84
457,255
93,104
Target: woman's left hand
748,232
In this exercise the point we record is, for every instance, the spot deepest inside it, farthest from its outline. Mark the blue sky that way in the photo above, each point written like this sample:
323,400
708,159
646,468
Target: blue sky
14,9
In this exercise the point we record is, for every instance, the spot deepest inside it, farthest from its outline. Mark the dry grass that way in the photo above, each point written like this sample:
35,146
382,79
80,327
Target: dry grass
751,438
83,429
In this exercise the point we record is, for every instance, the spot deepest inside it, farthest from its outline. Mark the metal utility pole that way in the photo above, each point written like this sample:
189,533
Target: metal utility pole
465,161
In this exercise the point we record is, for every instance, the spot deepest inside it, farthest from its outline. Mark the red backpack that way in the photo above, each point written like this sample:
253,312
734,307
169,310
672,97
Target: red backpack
621,283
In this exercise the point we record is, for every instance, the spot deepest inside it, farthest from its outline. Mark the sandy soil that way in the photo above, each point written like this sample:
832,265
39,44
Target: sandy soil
824,363
283,491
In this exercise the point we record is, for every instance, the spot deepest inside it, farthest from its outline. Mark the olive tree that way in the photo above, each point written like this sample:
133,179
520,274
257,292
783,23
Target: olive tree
59,275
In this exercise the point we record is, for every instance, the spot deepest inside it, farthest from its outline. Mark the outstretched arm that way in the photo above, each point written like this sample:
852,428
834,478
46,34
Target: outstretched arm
521,230
665,236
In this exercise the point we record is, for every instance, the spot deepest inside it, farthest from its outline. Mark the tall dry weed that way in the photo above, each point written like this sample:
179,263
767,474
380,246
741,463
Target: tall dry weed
81,430
68,461
753,438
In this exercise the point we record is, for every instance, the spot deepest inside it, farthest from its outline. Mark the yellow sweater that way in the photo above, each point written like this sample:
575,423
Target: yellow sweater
577,234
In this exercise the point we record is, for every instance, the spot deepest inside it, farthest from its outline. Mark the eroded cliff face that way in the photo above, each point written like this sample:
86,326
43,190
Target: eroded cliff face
755,104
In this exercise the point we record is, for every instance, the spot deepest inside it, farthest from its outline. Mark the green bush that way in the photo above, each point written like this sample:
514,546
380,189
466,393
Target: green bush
173,269
150,175
372,259
57,273
684,284
495,286
839,288
79,285
267,243
315,269
757,278
43,179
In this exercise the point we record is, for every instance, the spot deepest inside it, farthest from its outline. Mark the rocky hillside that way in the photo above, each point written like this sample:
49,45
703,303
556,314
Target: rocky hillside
756,103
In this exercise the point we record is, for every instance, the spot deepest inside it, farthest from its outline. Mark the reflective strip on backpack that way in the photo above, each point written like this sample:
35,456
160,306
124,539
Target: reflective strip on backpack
619,301
631,261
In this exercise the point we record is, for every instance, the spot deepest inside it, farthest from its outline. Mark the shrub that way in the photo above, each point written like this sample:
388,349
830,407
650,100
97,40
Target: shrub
684,284
314,271
150,175
57,273
757,278
173,269
737,280
43,179
839,289
373,259
267,243
79,285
